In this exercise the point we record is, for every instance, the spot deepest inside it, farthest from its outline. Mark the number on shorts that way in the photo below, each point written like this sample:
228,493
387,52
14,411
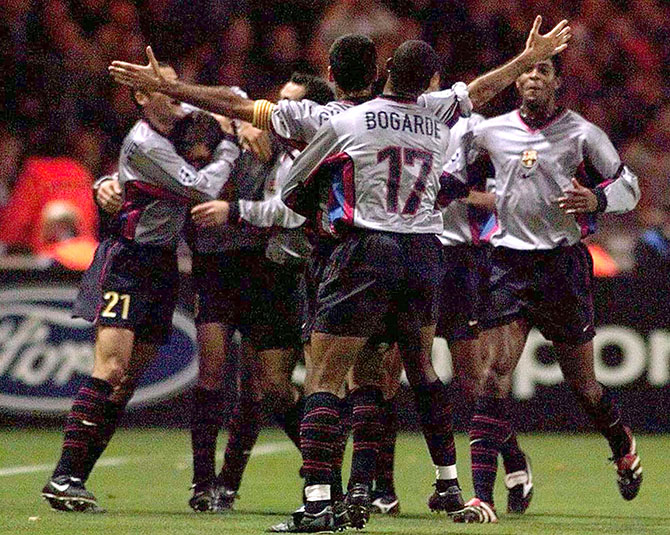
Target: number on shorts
113,299
397,157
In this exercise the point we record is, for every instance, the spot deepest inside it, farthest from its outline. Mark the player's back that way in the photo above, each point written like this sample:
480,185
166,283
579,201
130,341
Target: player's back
394,148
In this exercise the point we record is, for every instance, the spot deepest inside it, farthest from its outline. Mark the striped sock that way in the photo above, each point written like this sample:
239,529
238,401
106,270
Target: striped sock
384,478
319,433
206,421
243,430
113,414
435,413
83,427
367,425
336,486
488,429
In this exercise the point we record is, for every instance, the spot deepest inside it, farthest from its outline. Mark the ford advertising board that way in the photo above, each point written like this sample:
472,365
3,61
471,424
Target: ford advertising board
44,353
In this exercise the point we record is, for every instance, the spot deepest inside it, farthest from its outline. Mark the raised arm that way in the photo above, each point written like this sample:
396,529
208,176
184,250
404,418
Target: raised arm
217,99
538,47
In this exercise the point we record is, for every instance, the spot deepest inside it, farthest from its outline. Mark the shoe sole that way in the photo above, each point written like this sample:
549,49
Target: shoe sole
358,515
72,505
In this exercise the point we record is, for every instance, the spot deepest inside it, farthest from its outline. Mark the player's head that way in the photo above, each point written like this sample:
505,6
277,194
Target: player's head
412,68
307,86
162,111
195,137
538,86
353,63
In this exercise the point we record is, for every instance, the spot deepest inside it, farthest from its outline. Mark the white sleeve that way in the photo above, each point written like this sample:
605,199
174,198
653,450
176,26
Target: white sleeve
617,181
298,120
269,213
448,105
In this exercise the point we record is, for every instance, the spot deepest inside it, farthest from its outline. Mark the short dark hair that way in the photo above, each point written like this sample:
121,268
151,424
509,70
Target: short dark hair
413,65
353,62
316,88
196,127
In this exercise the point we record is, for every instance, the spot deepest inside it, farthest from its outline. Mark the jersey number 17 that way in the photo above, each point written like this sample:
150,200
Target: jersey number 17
398,157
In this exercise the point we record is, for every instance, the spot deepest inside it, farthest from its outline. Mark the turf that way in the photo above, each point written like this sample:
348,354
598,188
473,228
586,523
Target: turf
146,489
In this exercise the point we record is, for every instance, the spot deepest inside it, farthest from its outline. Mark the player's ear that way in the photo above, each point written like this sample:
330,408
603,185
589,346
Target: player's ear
517,84
331,78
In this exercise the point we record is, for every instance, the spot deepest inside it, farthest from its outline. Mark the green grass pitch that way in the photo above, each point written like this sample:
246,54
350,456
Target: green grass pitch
145,474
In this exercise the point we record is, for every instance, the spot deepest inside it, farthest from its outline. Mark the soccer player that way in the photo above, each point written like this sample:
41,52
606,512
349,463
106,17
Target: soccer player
554,173
463,296
238,287
378,169
137,288
352,67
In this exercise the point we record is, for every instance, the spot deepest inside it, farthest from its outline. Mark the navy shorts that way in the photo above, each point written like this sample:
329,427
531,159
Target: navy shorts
131,286
463,291
379,282
313,273
551,289
243,289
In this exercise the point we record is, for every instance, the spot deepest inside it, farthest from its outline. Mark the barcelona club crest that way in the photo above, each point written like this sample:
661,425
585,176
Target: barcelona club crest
528,158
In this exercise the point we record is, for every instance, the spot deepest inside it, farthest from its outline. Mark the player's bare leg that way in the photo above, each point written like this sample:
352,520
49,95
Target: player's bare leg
489,427
577,365
280,396
433,401
386,377
243,428
142,357
214,341
84,427
331,358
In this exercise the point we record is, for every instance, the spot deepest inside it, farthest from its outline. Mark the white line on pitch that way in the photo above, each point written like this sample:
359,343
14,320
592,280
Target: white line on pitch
264,449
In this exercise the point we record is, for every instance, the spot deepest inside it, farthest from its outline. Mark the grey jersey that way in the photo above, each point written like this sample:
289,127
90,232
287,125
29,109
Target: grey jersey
462,223
534,167
298,120
159,186
377,166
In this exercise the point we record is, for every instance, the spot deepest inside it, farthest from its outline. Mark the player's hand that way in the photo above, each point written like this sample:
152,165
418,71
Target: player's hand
146,78
108,196
540,47
481,199
224,122
211,214
578,200
255,140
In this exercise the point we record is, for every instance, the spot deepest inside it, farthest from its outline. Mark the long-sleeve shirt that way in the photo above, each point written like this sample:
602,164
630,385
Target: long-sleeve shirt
535,167
377,166
298,121
159,186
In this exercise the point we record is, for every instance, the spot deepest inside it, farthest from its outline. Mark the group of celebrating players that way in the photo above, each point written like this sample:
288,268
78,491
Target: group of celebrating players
355,227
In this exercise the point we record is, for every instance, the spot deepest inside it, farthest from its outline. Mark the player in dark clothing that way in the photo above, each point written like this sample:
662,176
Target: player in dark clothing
136,290
554,173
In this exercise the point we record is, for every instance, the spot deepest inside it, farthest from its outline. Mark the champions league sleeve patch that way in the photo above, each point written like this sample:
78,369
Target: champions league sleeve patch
187,177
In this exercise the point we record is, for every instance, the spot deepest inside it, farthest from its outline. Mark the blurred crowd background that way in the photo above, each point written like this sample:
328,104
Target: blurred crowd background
57,99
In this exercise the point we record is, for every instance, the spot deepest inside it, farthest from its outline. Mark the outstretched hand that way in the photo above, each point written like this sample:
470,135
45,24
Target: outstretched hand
211,214
146,78
545,46
579,200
